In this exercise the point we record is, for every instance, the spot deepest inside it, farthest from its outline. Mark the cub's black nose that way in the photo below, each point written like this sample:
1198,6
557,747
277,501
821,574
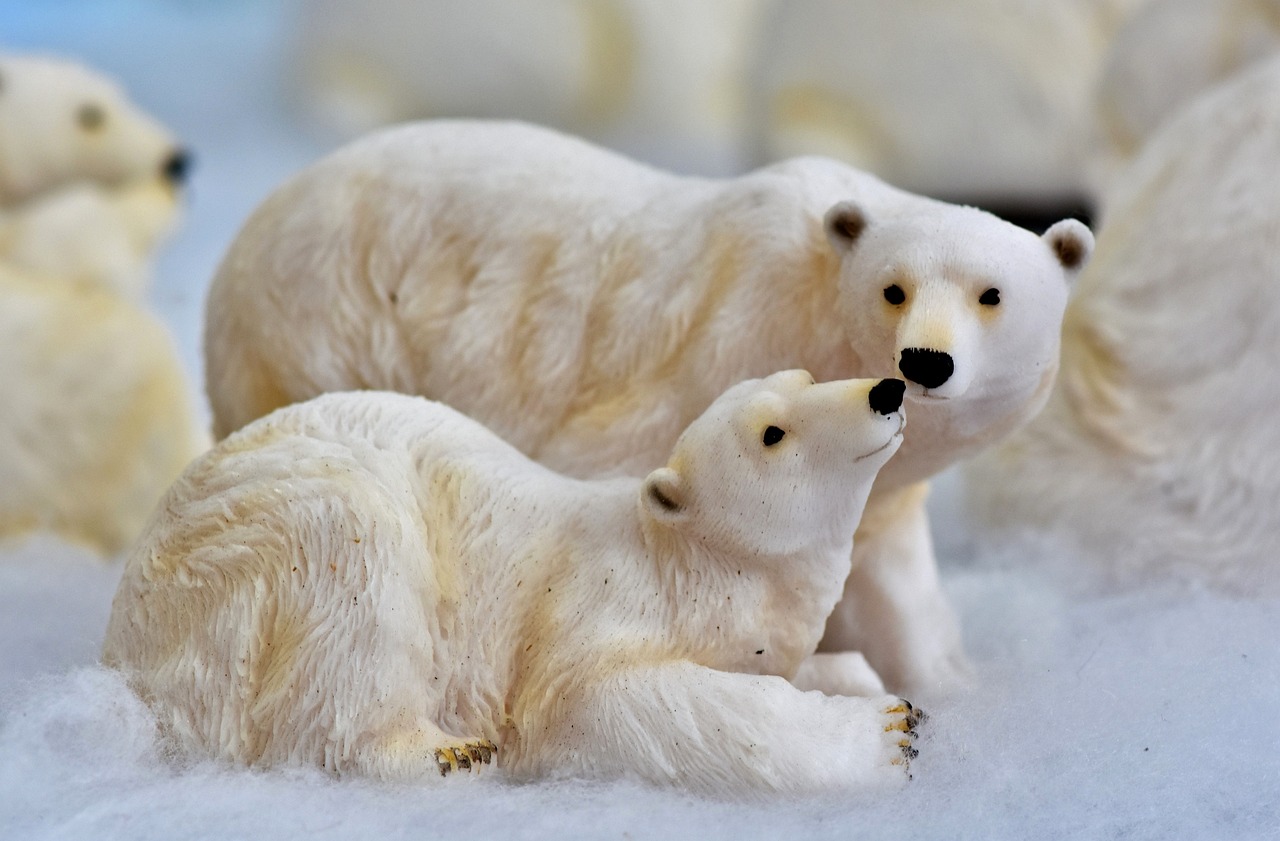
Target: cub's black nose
178,166
929,368
886,396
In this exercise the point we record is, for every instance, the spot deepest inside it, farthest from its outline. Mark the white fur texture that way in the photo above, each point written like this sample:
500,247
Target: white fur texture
985,99
1167,54
587,308
91,235
61,123
374,583
1158,449
96,418
665,80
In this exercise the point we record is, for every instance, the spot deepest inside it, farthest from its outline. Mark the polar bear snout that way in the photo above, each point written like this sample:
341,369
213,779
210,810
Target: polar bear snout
885,396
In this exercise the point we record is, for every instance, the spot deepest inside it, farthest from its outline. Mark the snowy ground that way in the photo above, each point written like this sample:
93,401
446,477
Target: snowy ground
1151,714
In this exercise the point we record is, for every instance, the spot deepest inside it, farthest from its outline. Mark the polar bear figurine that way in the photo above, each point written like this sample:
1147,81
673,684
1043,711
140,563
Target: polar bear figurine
1167,54
664,80
97,418
989,100
91,235
1157,451
62,123
587,308
377,584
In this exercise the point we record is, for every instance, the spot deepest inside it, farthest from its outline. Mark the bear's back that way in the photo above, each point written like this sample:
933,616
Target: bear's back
521,275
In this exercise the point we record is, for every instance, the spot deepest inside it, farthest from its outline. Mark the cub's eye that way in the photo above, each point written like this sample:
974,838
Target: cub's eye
894,294
772,435
91,117
990,298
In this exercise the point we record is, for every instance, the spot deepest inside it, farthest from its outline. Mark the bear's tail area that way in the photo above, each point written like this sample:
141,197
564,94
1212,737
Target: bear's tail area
274,574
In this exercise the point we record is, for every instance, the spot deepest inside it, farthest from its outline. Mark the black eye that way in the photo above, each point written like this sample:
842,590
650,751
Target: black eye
990,298
894,294
772,435
91,117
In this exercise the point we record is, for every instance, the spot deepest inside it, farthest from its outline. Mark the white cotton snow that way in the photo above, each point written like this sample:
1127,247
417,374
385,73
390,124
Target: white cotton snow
1141,715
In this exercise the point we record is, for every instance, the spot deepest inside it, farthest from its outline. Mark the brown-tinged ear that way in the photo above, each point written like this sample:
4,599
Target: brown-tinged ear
663,495
844,223
1072,242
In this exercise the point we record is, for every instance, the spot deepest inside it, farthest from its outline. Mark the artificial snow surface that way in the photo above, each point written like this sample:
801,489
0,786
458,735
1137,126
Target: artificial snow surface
1143,714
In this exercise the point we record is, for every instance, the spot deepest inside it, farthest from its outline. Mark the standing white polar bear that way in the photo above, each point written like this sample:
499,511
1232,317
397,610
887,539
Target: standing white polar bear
377,584
61,123
587,308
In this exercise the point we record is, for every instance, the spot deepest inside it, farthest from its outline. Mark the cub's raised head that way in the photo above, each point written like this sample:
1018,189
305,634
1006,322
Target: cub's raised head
956,301
61,123
779,464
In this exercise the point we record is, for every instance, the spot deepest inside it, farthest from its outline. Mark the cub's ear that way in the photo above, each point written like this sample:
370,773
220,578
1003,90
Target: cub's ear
663,495
844,223
1072,242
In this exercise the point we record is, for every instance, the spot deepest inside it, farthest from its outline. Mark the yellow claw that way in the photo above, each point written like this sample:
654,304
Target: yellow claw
465,756
446,760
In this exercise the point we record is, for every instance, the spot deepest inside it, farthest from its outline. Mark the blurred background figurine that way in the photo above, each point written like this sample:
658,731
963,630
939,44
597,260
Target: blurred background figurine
97,417
1158,448
662,80
988,101
1167,54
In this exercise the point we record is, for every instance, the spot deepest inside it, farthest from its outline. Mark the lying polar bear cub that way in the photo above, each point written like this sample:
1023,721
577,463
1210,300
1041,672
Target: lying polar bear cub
375,583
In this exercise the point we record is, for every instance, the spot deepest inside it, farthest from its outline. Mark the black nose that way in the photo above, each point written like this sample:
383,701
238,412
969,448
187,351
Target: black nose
177,167
886,396
929,368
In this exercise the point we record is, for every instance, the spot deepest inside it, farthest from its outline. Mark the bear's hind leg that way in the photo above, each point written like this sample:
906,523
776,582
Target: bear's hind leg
414,753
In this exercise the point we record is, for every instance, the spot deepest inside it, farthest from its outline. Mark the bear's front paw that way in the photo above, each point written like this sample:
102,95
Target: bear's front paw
465,756
903,720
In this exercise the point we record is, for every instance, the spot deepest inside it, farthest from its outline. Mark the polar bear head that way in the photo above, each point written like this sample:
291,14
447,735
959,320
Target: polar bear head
959,302
61,123
779,464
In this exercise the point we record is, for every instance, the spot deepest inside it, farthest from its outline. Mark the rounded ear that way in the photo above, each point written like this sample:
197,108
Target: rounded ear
1072,242
663,495
844,223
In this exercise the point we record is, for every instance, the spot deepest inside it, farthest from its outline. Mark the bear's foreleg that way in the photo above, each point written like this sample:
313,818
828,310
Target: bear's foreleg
838,673
721,733
893,609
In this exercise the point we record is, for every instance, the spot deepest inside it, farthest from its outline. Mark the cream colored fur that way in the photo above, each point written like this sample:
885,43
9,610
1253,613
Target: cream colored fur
377,584
62,123
96,418
587,308
91,235
1158,447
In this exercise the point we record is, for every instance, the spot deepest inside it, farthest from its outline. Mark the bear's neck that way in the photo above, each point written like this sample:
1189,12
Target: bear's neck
760,614
940,433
